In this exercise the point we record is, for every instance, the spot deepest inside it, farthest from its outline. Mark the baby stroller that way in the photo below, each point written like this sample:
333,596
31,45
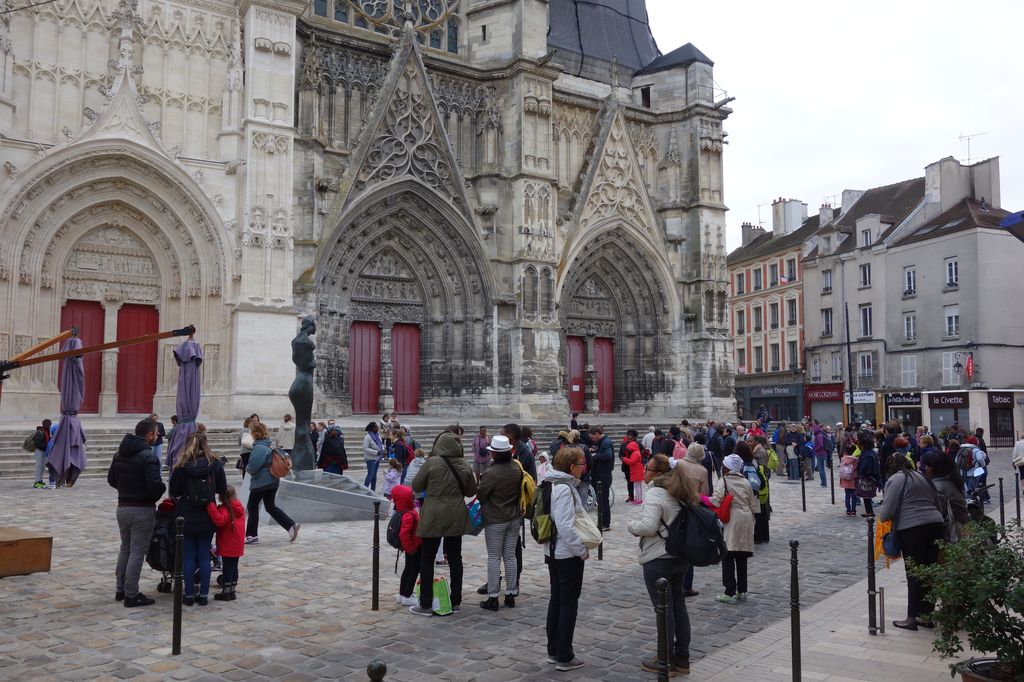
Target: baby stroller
160,556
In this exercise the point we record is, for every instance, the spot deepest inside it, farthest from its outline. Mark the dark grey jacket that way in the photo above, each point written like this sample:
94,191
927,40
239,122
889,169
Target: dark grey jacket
135,472
498,492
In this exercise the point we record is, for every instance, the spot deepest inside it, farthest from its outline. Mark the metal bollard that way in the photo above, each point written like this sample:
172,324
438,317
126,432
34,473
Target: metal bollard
661,618
794,608
179,536
803,489
376,670
872,621
1002,504
881,610
375,595
832,480
600,520
1016,493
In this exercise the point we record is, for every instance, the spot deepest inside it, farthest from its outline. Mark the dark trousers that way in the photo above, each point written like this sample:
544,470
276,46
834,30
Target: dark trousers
452,552
629,489
566,577
196,557
919,543
688,578
267,497
734,573
409,574
851,500
604,507
761,524
230,569
869,506
678,619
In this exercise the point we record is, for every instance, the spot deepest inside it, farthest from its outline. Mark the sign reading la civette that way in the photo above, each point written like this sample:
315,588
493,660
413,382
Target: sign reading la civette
948,401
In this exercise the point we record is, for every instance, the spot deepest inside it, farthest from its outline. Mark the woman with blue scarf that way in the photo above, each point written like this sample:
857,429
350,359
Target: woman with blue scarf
373,452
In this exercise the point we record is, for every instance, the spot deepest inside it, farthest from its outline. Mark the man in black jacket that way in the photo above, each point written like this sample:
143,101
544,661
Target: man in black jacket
604,464
135,472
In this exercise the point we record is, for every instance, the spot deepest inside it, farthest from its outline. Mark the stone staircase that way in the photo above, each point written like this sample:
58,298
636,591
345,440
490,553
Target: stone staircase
103,441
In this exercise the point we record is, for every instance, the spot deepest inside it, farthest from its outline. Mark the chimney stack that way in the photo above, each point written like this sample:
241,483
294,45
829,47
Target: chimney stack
825,214
787,215
751,232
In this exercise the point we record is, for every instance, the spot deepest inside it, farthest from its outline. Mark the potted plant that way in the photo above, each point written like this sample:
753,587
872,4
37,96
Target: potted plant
978,591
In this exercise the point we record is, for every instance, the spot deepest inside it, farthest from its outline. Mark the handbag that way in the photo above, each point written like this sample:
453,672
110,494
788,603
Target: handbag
891,542
724,509
473,508
865,487
586,530
441,595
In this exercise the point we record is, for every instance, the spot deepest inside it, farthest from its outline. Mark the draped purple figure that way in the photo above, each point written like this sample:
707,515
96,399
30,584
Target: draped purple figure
67,455
189,355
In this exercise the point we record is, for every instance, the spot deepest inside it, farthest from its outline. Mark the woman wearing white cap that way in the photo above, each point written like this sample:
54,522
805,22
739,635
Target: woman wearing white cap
739,532
498,493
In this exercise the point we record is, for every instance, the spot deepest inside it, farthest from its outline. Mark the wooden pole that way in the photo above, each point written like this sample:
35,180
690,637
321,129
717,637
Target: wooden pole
15,364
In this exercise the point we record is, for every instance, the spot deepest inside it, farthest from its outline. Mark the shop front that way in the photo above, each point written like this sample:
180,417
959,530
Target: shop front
948,408
824,402
782,402
1000,419
904,408
865,407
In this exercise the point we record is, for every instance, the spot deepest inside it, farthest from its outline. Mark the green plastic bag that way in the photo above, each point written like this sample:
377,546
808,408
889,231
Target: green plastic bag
442,596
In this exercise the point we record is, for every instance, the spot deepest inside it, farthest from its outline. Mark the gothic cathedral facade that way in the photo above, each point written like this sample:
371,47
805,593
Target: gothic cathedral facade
488,210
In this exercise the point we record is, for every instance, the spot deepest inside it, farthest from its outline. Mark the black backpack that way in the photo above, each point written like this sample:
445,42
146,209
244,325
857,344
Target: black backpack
695,535
394,527
199,491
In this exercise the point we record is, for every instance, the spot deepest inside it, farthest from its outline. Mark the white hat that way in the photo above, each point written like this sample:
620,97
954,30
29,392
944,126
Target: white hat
499,444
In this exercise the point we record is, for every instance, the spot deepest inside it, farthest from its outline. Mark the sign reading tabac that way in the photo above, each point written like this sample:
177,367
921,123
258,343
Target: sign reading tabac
1000,400
948,401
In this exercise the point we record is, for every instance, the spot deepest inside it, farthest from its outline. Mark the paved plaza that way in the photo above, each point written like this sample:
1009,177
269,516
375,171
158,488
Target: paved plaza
303,611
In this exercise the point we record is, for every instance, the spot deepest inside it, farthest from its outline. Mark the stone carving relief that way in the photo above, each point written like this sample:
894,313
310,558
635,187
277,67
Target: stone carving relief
536,123
573,131
111,264
537,231
645,144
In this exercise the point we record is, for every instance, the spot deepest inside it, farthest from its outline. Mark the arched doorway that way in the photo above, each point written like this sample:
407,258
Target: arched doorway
615,318
404,300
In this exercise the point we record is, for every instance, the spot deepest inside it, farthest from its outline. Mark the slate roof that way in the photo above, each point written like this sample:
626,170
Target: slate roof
767,244
681,56
589,33
965,215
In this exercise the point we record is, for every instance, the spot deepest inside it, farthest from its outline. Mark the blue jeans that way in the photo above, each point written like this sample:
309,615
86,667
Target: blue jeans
157,449
821,461
794,468
196,555
851,500
371,473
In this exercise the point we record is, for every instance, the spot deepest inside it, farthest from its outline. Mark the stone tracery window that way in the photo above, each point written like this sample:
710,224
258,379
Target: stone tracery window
437,22
547,292
530,286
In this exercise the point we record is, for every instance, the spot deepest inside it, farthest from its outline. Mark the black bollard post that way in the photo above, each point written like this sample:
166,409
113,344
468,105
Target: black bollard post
803,490
1002,504
376,670
179,536
661,618
375,595
1016,493
600,520
832,480
872,620
794,608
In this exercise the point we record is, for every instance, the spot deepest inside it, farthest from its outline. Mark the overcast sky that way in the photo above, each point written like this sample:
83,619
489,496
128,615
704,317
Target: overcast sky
833,96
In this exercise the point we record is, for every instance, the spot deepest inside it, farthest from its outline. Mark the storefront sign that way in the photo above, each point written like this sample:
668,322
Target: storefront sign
999,400
774,391
948,401
829,392
860,397
903,400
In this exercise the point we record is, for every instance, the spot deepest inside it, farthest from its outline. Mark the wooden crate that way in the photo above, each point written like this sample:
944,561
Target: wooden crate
23,551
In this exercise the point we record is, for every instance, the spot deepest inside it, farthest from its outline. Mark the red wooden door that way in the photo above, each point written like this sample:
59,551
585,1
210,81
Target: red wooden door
88,317
405,359
136,365
604,363
364,367
576,358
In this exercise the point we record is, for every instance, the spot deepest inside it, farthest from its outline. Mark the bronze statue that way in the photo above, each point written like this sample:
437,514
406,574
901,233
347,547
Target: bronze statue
301,393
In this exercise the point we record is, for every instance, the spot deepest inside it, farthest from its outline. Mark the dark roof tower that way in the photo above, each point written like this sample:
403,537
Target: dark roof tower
590,34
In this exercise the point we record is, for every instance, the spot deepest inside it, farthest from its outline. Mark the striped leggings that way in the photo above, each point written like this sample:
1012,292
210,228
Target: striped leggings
501,539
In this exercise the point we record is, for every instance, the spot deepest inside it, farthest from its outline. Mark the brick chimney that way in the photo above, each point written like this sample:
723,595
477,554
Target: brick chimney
825,214
751,232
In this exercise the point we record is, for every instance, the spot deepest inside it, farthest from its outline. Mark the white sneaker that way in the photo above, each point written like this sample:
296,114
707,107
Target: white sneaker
410,601
293,532
399,599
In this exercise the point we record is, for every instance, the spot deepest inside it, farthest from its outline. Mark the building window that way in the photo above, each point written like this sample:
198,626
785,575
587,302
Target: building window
909,281
453,36
645,97
826,281
758,318
865,366
837,367
758,279
741,322
435,38
758,360
866,326
773,349
865,237
791,312
952,273
865,275
739,284
952,316
909,327
483,33
790,271
949,375
773,315
816,368
791,354
773,275
741,360
826,322
908,371
320,8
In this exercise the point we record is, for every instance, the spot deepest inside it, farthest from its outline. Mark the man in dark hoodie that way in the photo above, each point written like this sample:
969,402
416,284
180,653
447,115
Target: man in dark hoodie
135,472
604,464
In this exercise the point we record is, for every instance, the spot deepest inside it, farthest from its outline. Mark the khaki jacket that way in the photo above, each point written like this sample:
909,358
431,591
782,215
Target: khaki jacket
444,509
739,532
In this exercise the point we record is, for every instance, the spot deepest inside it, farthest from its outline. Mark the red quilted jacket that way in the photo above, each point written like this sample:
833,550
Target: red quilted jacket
230,534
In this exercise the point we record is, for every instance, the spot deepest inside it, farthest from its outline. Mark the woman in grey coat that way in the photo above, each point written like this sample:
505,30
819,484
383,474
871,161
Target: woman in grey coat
499,490
939,469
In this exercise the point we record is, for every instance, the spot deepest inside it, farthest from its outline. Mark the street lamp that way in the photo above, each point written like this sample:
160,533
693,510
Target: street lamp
958,366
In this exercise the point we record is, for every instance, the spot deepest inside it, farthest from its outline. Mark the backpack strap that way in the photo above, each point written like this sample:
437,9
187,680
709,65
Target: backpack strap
458,481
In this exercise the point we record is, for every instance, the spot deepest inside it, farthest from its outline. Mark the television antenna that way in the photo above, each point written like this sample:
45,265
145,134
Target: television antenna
967,138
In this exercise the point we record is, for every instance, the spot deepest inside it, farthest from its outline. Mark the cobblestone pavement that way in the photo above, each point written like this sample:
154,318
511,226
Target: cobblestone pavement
303,610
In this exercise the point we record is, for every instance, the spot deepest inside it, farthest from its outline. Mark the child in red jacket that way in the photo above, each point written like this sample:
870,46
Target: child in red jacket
635,461
229,518
401,497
